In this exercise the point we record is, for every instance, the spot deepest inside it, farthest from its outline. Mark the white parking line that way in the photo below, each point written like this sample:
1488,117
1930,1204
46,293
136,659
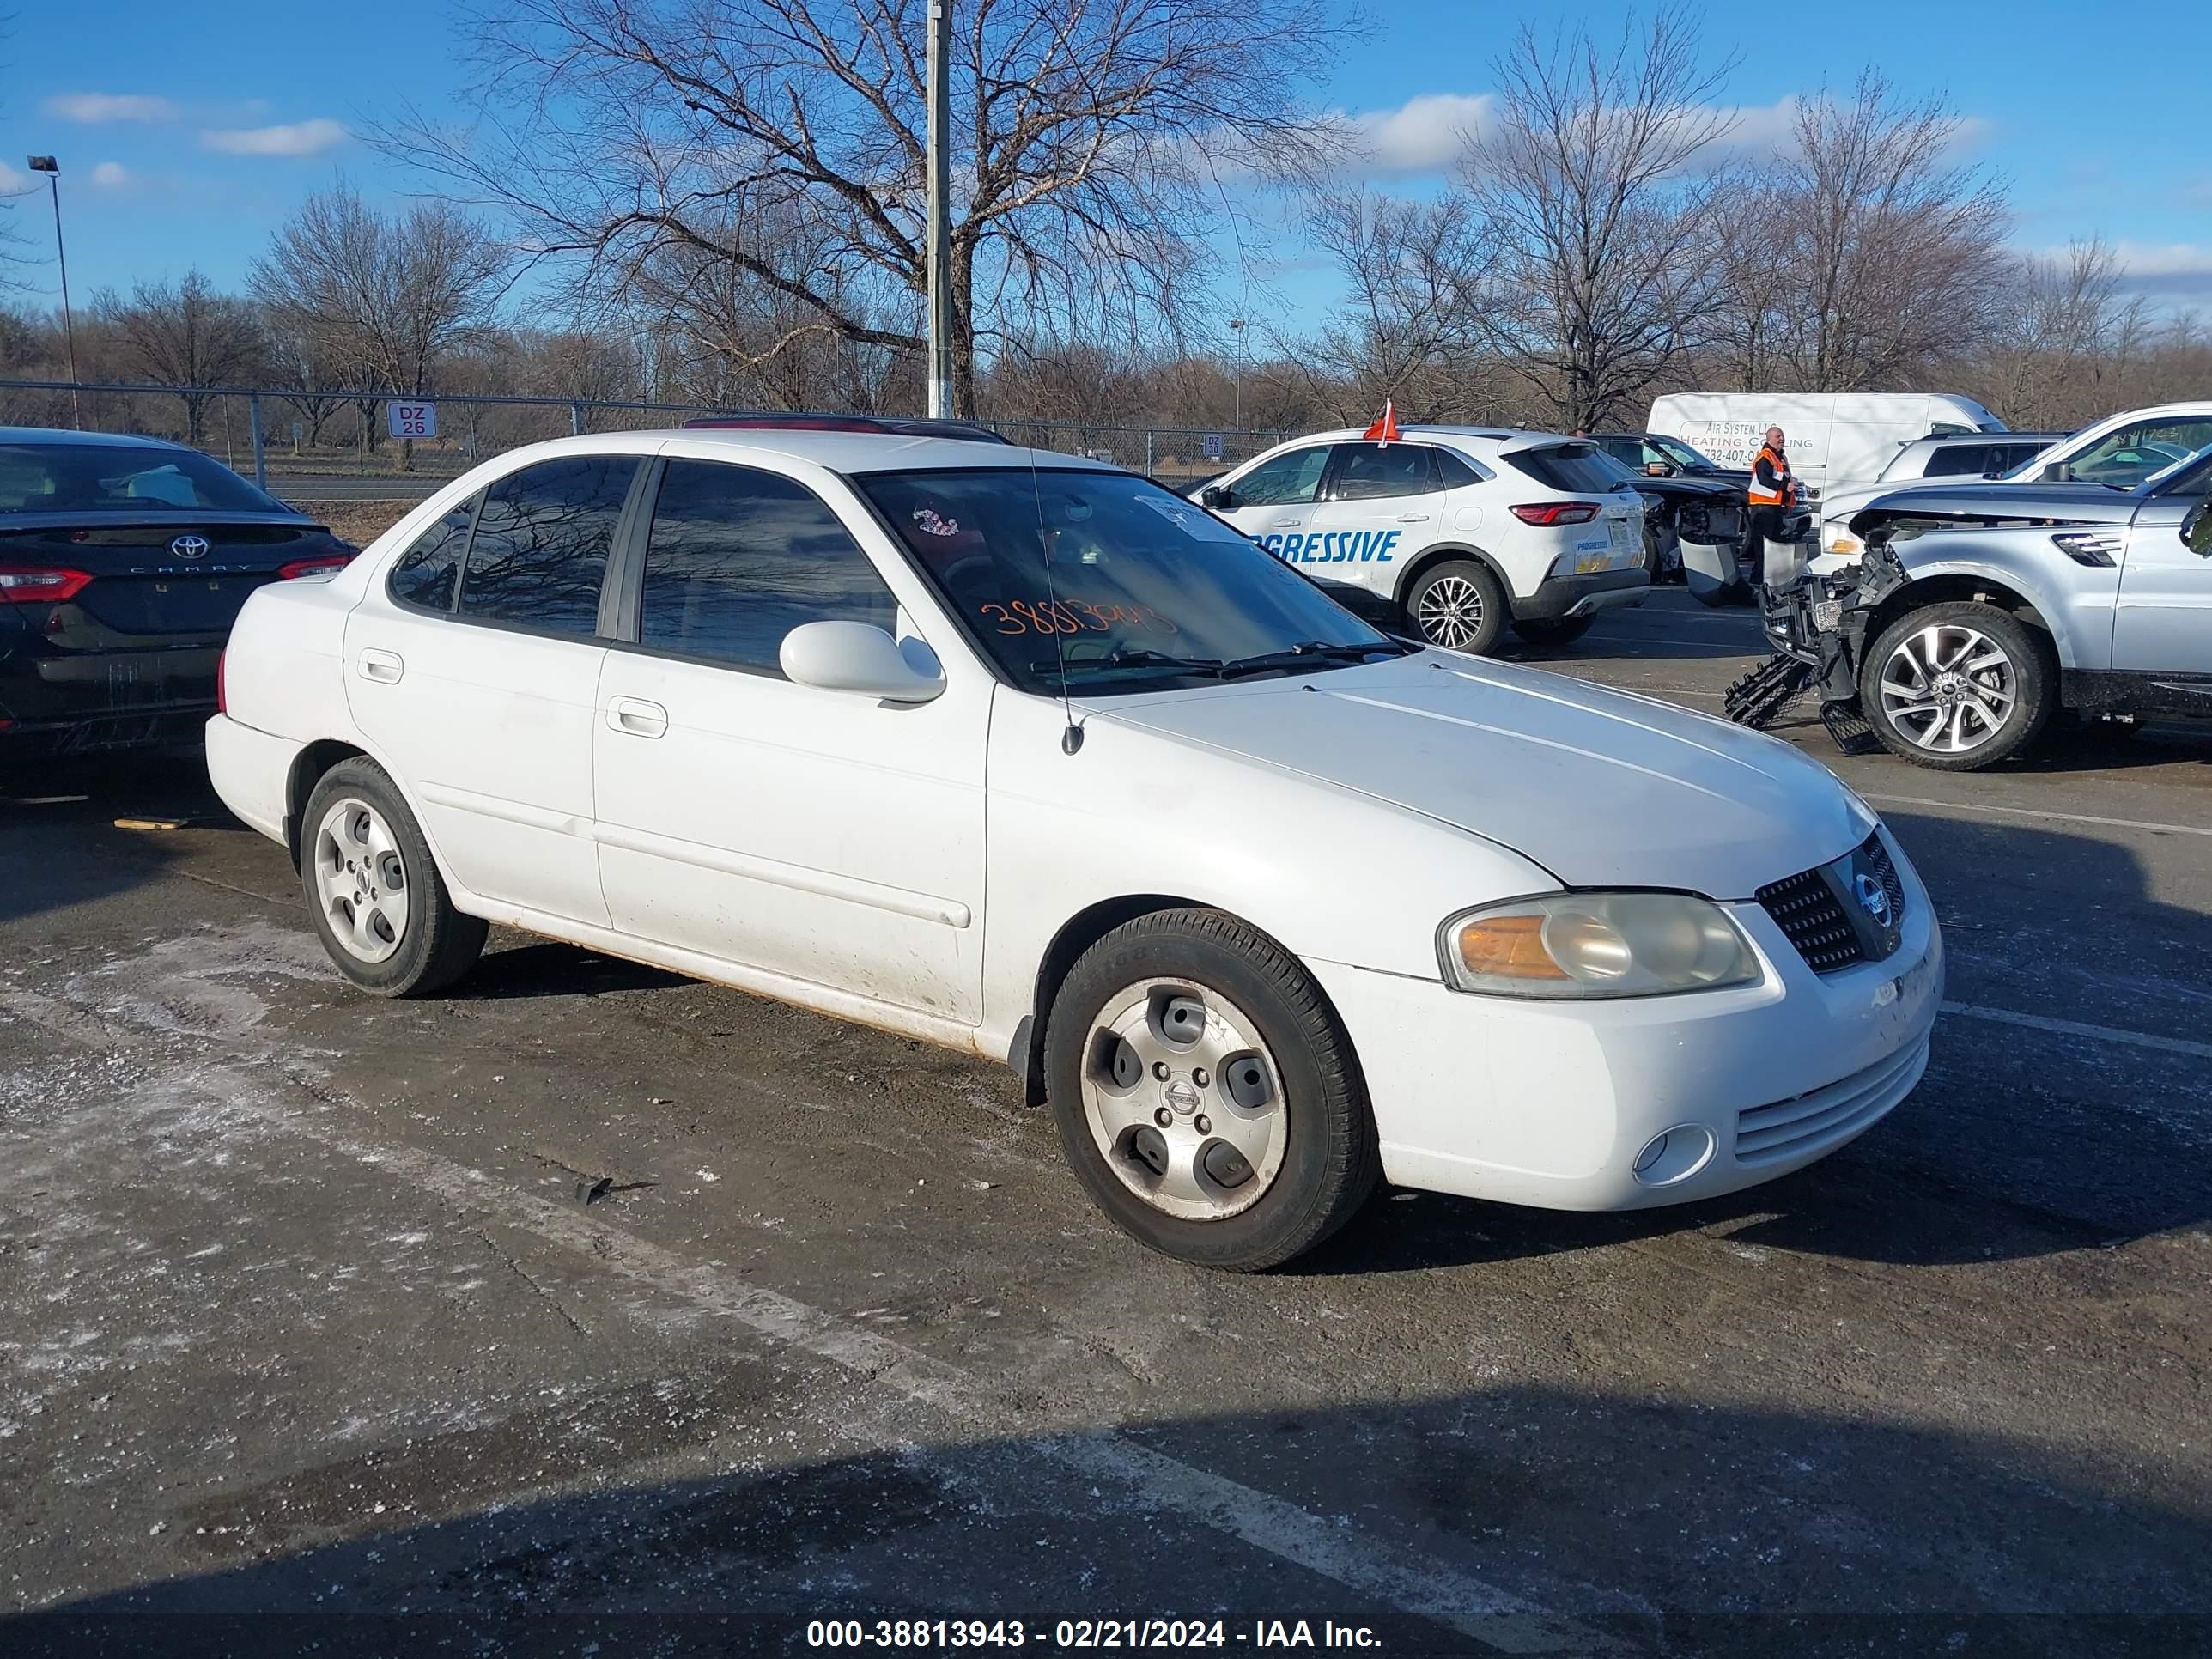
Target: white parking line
2030,813
1403,1578
2075,1028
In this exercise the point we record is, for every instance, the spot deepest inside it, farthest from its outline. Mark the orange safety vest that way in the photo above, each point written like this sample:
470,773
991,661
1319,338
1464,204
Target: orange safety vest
1785,495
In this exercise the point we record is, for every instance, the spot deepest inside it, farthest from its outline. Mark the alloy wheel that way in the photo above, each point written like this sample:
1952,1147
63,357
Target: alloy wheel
1949,688
1450,612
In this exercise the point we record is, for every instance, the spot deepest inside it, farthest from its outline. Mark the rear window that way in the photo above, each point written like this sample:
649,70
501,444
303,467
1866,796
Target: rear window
1958,461
1582,468
106,477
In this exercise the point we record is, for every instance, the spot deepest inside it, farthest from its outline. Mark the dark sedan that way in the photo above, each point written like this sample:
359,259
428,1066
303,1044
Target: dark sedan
123,564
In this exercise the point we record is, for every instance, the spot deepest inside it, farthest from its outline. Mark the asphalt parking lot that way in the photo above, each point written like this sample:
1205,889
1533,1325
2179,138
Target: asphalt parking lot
593,1306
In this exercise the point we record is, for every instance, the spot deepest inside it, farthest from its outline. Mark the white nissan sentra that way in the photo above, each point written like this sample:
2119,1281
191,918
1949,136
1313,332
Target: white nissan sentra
1022,755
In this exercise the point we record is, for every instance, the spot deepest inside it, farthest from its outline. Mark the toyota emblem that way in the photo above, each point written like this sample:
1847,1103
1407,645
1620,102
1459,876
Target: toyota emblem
190,547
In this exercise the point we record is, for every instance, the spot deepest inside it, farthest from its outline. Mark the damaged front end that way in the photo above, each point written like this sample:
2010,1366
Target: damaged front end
1819,626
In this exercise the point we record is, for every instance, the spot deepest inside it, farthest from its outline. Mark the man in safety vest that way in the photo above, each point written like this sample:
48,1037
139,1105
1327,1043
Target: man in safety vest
1773,493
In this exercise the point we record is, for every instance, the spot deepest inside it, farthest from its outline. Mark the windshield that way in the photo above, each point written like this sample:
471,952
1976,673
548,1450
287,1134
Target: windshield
101,478
1141,586
1681,454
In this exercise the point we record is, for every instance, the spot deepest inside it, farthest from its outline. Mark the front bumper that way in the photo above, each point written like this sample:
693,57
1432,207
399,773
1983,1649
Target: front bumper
1550,1104
1558,597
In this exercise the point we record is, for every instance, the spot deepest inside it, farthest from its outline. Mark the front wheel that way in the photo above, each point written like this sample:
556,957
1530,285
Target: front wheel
1957,686
1205,1093
378,903
1458,604
1555,634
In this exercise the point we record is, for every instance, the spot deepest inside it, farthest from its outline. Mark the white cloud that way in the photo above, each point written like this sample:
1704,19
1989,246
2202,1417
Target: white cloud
2165,270
111,175
301,138
96,107
1424,135
13,183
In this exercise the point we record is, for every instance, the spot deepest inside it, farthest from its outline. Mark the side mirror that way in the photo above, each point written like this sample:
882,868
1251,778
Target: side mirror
1217,496
1658,470
850,656
2196,530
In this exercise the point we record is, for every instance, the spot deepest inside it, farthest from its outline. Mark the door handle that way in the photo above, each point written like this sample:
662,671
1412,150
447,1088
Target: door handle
1285,523
637,718
1413,518
385,667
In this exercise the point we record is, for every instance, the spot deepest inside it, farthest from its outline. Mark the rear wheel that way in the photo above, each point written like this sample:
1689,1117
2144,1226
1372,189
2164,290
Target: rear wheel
1205,1095
1957,686
1459,606
1555,633
378,900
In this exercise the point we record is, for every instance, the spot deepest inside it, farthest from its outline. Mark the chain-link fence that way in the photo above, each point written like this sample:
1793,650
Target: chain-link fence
306,445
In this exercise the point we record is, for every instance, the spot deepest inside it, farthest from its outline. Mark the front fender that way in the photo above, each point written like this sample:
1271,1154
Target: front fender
2075,604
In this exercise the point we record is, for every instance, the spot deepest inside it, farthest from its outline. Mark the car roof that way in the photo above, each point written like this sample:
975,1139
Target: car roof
50,435
2004,437
1475,440
905,426
839,451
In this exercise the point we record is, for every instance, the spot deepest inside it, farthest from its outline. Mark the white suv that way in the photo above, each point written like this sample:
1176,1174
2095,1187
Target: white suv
1468,528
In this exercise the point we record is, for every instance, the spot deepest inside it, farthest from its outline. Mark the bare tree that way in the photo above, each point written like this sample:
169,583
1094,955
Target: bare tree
186,336
1586,177
2065,340
382,296
1414,273
1897,251
1088,131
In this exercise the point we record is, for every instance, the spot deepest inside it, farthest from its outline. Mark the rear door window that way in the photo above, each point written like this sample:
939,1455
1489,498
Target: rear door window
1959,461
1368,471
541,543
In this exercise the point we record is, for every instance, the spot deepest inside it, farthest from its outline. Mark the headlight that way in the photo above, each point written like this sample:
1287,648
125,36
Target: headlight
1568,946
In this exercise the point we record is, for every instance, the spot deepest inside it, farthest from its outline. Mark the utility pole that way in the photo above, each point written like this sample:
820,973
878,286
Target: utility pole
940,209
47,165
1236,328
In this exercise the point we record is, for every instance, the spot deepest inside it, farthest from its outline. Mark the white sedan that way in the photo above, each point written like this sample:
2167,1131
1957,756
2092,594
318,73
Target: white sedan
1022,755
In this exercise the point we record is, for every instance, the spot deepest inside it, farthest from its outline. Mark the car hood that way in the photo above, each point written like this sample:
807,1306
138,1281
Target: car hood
1682,487
1600,787
2026,503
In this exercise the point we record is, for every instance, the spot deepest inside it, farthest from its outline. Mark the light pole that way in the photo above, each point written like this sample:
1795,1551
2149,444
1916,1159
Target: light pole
47,165
939,90
1236,328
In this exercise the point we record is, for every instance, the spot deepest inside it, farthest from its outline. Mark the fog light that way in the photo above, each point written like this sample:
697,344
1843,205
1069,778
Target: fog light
1674,1155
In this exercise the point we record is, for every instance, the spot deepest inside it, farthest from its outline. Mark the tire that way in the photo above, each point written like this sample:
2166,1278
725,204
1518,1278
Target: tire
1460,605
385,917
1284,1092
1556,634
2017,682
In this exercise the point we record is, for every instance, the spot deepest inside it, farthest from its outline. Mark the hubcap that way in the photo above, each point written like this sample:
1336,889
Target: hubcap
360,880
1184,1101
1949,688
1450,612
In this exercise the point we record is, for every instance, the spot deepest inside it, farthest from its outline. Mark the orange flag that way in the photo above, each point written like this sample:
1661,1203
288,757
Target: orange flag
1384,430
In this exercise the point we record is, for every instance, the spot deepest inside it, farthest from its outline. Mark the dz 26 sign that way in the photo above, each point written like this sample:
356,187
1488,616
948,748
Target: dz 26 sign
413,420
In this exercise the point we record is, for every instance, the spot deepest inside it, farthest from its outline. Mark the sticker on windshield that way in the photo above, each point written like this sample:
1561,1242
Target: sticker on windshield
931,523
1180,514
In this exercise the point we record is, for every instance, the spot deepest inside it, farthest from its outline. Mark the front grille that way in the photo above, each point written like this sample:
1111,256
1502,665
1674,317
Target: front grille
1810,1123
1815,911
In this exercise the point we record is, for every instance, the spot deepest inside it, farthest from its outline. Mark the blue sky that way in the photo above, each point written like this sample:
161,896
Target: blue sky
186,134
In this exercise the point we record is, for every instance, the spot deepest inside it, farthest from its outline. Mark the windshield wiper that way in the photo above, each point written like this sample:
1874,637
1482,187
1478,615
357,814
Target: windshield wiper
1309,653
1123,657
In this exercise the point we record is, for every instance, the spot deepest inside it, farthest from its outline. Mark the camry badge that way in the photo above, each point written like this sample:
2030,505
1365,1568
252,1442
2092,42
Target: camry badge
190,547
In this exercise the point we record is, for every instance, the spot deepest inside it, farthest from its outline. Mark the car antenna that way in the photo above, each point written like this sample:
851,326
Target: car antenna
1071,737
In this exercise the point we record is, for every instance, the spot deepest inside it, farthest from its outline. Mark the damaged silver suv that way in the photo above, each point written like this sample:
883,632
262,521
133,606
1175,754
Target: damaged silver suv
1981,610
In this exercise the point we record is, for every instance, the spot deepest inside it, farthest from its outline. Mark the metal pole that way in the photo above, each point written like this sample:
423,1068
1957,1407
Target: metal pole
260,459
575,420
940,210
68,321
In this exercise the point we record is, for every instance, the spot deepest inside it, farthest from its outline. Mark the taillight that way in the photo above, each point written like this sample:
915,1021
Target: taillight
221,696
314,566
40,585
1550,512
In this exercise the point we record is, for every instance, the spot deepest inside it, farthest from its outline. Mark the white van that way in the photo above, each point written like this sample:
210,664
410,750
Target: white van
1836,438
